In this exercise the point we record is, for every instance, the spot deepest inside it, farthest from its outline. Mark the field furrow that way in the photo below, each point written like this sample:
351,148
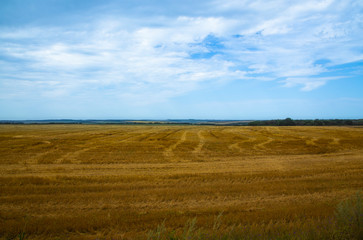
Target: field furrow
120,181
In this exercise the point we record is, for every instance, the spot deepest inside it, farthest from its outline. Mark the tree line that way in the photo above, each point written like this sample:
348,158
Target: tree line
307,122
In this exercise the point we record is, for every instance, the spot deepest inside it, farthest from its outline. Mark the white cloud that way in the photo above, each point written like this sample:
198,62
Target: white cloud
259,40
111,55
308,84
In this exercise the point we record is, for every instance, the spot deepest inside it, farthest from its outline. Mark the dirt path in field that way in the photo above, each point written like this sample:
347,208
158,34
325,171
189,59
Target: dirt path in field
72,156
335,141
170,133
169,152
34,159
198,149
312,141
241,139
235,146
261,146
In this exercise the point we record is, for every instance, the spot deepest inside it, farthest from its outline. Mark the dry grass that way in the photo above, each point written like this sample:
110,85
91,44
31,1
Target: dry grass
109,181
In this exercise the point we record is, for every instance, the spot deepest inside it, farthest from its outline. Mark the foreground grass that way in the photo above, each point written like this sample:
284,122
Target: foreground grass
118,182
346,224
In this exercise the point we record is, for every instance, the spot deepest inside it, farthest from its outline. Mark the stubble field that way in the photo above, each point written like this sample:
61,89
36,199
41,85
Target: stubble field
121,181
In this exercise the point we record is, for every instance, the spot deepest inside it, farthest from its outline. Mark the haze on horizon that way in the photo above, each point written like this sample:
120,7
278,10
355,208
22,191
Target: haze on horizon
235,59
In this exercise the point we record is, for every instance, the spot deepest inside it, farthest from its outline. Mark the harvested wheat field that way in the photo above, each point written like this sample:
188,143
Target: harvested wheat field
123,181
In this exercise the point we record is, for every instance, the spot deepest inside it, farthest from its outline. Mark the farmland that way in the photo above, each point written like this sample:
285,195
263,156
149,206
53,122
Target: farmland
116,182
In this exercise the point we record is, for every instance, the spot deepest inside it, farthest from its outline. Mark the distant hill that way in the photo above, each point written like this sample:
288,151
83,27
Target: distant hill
276,122
129,122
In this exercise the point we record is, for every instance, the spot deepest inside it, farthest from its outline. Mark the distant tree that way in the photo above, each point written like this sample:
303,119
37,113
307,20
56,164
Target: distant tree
290,122
307,122
287,122
255,123
318,122
348,122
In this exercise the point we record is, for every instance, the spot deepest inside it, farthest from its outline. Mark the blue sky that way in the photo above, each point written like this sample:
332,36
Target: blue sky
215,59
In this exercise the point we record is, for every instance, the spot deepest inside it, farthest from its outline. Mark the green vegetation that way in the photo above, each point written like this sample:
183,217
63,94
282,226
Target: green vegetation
349,215
347,224
316,122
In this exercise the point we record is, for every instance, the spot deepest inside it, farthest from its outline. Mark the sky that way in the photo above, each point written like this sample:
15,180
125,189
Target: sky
171,59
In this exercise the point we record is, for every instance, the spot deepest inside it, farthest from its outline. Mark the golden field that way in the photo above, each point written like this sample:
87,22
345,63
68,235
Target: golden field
120,181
